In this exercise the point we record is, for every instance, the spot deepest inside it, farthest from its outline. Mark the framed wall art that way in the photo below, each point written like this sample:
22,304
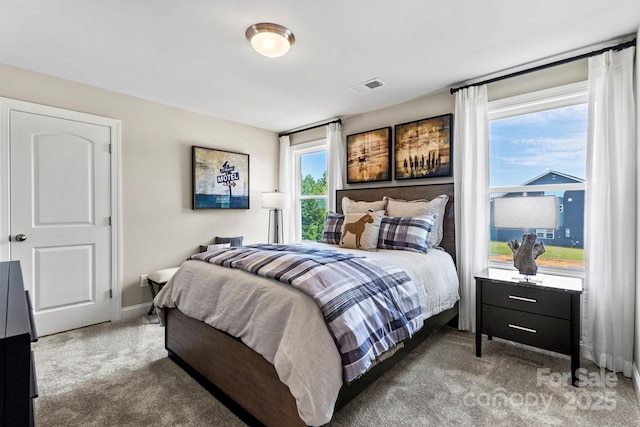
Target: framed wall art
220,179
423,148
369,156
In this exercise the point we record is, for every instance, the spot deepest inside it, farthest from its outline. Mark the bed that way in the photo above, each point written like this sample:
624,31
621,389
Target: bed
264,381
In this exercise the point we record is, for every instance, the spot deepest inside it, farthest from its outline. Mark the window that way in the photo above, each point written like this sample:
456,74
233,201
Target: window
545,233
310,161
537,146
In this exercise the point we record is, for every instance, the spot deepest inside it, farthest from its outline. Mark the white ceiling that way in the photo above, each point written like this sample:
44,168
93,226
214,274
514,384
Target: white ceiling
193,54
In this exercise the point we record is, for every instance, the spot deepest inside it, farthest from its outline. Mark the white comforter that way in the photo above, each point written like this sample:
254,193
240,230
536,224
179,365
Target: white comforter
286,326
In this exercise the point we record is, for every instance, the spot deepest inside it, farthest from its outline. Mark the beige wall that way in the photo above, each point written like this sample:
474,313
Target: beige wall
308,136
159,227
556,76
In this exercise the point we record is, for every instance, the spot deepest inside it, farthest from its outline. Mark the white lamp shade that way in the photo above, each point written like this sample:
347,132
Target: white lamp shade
525,212
270,45
275,200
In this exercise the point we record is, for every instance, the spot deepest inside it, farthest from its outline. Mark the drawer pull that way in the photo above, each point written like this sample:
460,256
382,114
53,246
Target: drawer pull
522,328
522,298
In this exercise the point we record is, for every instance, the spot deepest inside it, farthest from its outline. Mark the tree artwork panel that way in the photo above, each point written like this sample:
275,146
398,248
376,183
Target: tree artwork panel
369,156
423,148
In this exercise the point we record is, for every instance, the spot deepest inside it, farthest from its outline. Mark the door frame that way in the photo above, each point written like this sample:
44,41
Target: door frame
6,106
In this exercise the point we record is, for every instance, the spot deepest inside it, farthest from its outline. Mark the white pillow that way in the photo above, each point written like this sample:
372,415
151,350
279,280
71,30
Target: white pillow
360,230
349,206
421,207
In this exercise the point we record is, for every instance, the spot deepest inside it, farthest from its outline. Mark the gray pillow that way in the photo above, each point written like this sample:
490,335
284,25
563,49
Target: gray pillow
234,241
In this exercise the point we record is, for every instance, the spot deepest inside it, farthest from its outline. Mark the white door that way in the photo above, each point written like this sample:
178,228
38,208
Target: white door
60,217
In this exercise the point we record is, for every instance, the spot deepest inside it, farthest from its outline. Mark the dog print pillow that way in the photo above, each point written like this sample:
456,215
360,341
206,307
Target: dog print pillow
360,230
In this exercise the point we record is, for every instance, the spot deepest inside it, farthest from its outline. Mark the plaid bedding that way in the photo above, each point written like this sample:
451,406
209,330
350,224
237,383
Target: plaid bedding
369,305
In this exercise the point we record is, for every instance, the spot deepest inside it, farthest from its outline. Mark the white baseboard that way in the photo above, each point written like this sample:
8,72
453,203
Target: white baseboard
636,381
133,311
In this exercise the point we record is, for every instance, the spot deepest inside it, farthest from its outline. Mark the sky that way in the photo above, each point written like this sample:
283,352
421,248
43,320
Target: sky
314,164
523,147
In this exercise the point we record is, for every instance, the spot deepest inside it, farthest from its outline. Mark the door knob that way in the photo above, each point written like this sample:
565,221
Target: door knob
21,237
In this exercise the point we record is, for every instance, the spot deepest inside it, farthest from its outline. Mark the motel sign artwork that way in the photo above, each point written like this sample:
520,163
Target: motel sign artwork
220,179
228,177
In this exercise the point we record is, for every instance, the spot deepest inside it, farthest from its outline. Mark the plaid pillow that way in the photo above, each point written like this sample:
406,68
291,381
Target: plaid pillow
405,233
420,208
332,228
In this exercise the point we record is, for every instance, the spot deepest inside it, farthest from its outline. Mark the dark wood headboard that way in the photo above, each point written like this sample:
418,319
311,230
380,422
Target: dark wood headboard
412,192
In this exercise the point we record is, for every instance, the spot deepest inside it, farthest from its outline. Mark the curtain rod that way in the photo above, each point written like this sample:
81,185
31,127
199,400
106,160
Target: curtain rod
309,128
617,47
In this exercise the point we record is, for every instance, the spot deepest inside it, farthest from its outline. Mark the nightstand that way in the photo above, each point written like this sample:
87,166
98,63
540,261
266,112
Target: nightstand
543,314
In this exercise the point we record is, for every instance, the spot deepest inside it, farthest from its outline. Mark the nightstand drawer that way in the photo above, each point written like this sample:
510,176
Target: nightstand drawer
538,301
545,332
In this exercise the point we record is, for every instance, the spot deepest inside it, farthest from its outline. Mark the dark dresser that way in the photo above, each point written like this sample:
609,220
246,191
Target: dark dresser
18,385
543,314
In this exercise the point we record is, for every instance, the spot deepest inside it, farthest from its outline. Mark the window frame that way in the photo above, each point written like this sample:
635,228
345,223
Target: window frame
297,151
547,99
545,233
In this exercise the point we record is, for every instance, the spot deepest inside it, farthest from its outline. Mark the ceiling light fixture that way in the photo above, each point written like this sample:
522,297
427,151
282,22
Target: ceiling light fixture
271,40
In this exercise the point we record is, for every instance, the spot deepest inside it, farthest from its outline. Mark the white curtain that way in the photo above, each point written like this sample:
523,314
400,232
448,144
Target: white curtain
610,213
471,183
637,326
335,163
285,185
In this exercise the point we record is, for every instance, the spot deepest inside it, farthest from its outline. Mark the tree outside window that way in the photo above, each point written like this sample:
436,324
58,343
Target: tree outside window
311,193
313,209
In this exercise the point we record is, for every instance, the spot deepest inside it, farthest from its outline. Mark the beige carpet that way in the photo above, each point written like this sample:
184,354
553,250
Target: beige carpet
117,374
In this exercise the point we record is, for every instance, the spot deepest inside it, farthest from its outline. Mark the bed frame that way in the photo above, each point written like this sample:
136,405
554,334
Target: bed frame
249,385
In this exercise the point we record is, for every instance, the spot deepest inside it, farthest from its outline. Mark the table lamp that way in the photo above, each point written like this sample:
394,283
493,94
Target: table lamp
524,213
275,202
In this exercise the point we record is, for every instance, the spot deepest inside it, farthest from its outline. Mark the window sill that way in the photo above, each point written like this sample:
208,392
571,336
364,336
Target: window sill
567,272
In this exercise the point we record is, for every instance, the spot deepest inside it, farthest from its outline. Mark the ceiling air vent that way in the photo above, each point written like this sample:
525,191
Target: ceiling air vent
367,86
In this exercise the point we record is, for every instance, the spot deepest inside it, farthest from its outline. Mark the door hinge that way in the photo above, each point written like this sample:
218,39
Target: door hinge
110,148
110,293
109,221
